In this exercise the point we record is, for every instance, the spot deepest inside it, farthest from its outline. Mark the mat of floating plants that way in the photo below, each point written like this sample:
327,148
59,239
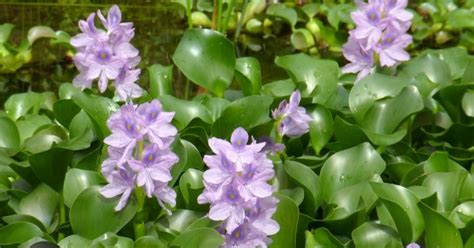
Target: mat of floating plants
364,137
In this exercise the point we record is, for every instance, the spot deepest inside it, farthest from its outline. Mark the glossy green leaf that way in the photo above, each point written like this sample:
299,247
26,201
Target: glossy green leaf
18,233
447,186
98,108
314,77
185,111
190,185
20,104
321,127
456,58
324,238
29,124
182,218
201,49
440,162
10,137
306,178
199,237
460,18
247,72
41,203
439,231
281,11
350,200
371,234
91,214
161,78
402,205
112,240
77,181
215,106
149,241
349,167
280,88
286,215
247,112
468,103
64,111
51,166
430,65
302,38
462,214
74,241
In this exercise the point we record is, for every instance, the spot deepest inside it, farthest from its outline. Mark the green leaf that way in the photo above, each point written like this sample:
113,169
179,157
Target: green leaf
74,241
447,186
247,72
161,78
430,65
185,111
41,203
247,112
324,238
18,233
112,240
64,111
315,77
5,30
321,127
201,49
307,179
40,32
91,214
286,215
50,166
182,218
10,138
98,108
439,231
281,11
20,104
462,214
349,167
199,237
371,234
456,58
29,124
77,181
191,185
280,88
149,241
460,18
402,205
468,103
302,38
215,106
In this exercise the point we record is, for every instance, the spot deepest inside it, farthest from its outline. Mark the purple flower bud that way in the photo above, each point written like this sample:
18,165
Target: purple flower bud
293,119
413,245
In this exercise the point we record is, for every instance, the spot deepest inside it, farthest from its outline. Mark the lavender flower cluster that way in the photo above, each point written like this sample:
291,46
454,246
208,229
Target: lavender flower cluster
380,36
236,188
140,153
107,54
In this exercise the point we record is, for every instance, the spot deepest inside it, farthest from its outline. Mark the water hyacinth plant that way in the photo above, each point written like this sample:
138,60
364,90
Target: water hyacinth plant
219,147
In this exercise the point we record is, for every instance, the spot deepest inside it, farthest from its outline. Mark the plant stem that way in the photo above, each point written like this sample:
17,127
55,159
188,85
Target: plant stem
139,225
219,16
186,90
189,6
62,214
214,15
240,22
227,16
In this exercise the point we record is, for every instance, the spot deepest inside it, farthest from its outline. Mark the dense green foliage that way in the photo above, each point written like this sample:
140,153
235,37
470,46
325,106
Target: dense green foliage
388,160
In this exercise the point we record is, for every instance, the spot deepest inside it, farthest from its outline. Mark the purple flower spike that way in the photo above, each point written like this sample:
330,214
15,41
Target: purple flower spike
380,32
139,155
107,56
293,119
236,186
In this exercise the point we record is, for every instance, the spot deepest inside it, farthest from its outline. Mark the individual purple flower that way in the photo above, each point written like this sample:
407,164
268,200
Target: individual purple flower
121,182
380,32
107,55
138,156
270,145
237,189
362,61
293,119
413,245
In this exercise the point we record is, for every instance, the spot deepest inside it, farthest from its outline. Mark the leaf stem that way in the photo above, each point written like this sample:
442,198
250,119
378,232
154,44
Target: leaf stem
241,20
62,214
189,6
